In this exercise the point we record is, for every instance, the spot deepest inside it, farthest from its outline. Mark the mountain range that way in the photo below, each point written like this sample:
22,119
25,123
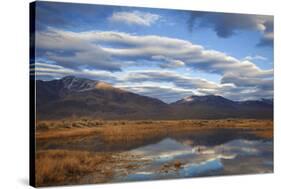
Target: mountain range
71,97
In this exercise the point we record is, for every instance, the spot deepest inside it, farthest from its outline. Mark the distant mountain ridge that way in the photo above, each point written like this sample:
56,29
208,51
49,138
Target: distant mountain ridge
78,97
215,107
207,99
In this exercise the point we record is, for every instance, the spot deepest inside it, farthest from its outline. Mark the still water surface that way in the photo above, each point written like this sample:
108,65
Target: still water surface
178,159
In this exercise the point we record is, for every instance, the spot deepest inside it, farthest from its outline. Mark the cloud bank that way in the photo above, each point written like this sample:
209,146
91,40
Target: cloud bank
109,55
134,18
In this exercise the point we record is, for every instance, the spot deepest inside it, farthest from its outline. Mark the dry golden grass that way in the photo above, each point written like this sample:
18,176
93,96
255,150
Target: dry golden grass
62,133
133,131
70,123
60,167
137,130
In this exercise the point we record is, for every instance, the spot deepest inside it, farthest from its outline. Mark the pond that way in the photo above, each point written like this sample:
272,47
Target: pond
178,155
170,158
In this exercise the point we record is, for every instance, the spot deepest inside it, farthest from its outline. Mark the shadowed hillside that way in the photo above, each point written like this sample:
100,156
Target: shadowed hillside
77,97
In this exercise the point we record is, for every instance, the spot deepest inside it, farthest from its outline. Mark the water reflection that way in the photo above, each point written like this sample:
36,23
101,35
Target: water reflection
184,159
178,155
197,169
98,143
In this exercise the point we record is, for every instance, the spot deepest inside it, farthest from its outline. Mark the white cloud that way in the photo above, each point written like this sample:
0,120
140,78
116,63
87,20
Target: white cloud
167,93
169,63
178,80
135,18
196,56
245,81
256,57
56,71
72,51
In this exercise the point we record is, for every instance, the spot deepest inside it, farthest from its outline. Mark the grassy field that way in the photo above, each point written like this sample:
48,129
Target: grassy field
131,130
64,166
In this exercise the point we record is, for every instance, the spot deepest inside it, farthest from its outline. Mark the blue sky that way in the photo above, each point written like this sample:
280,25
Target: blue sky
165,54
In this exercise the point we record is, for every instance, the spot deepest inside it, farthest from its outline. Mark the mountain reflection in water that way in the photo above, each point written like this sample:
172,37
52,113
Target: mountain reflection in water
227,158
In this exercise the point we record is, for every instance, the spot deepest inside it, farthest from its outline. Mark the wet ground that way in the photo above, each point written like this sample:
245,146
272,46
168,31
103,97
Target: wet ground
202,153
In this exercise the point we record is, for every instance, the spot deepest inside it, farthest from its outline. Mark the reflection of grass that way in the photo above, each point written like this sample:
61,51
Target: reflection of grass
57,167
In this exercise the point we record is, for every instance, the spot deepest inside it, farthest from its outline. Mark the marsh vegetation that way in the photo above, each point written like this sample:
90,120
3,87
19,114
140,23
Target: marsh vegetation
81,151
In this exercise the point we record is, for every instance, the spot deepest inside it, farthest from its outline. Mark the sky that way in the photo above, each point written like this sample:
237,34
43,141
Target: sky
161,53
